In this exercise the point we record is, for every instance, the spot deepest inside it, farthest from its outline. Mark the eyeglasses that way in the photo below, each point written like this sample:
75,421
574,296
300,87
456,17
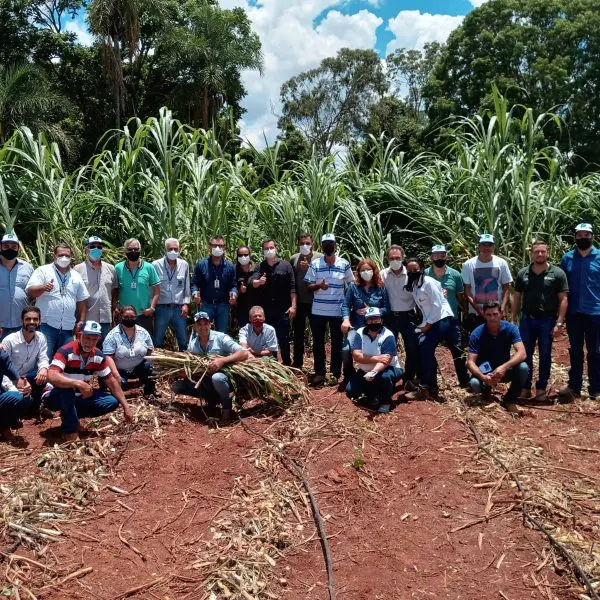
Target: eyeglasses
243,255
217,245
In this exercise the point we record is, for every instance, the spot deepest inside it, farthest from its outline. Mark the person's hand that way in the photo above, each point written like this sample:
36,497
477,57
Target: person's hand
78,327
263,279
489,380
303,264
382,358
85,389
425,328
216,364
42,377
127,413
557,331
48,287
323,285
24,386
346,326
243,288
291,312
197,299
361,311
444,292
232,299
185,311
499,373
148,312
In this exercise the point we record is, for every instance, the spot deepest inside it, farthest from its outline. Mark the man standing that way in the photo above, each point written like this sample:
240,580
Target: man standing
100,279
487,278
214,284
174,299
582,266
489,358
61,297
327,277
138,285
541,293
402,319
257,337
453,288
14,275
274,279
70,375
300,263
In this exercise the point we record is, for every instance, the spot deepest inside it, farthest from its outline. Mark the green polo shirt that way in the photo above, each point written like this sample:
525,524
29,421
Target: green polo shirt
540,292
140,294
452,282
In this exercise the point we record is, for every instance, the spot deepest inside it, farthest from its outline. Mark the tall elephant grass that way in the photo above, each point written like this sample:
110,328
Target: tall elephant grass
161,178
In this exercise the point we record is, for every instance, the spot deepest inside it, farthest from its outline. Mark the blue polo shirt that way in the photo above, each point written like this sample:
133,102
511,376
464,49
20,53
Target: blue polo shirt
494,349
583,273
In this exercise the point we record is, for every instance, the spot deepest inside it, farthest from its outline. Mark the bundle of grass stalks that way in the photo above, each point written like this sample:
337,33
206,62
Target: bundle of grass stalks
263,378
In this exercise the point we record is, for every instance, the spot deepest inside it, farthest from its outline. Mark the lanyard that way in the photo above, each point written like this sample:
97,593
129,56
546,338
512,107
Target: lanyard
168,270
63,281
130,341
134,274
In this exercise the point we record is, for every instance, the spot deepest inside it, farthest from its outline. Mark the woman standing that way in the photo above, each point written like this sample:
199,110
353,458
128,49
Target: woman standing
243,270
367,290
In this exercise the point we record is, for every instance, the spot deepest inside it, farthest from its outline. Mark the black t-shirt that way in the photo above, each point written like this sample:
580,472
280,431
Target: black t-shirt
274,296
540,292
248,300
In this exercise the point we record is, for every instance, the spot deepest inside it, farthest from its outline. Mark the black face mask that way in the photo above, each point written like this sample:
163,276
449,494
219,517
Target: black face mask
375,327
328,249
9,253
128,322
583,243
412,278
440,262
132,255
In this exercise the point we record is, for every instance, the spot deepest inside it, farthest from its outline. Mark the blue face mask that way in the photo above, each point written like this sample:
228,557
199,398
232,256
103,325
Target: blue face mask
95,253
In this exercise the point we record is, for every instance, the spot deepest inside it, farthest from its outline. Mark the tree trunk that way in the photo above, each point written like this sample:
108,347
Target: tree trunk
118,80
205,108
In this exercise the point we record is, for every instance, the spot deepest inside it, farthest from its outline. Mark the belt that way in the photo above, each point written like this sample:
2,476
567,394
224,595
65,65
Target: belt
541,315
170,305
217,301
397,313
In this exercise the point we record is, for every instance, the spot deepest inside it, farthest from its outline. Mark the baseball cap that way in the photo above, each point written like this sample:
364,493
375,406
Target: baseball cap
10,237
438,248
91,328
580,227
94,240
201,315
372,311
328,237
486,238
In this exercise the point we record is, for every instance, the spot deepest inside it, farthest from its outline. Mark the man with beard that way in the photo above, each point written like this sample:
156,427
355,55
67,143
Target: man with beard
541,291
582,266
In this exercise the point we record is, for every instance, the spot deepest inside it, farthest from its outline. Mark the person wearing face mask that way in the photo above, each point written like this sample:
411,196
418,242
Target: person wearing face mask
300,263
129,344
401,318
257,337
437,326
367,290
453,289
61,296
274,283
327,278
174,297
214,285
582,266
139,285
378,370
14,275
245,299
100,279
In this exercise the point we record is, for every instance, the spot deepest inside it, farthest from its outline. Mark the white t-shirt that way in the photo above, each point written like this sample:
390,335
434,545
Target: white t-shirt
486,279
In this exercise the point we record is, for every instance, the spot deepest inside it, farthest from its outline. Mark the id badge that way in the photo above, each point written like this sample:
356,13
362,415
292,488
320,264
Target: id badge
169,287
217,284
132,352
485,368
133,285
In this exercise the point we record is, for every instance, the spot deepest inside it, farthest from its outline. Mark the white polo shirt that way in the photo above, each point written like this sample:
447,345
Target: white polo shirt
384,343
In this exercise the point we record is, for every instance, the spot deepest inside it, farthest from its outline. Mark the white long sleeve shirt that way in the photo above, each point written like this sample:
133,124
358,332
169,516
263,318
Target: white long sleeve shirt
431,301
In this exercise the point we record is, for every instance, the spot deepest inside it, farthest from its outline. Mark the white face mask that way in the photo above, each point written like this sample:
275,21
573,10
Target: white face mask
305,249
63,261
367,275
395,265
217,251
244,260
270,253
172,254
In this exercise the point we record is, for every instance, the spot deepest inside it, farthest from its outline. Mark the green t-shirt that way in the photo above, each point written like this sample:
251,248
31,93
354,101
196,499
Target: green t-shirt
452,282
540,292
135,287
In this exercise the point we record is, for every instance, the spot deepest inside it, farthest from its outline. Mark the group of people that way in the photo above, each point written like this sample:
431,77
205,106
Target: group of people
120,313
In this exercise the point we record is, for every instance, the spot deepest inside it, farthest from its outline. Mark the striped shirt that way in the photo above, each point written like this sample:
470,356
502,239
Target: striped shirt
328,303
68,360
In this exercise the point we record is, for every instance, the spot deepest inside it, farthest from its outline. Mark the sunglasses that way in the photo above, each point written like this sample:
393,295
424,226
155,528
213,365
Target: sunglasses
243,255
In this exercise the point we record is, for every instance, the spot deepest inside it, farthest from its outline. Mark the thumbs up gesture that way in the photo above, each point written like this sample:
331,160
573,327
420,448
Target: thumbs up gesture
48,287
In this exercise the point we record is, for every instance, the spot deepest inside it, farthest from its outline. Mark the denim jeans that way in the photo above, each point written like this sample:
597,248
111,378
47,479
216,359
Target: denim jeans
281,323
142,372
56,338
74,407
404,323
453,340
105,329
165,315
428,342
347,362
303,313
320,323
381,388
517,377
214,389
13,406
219,313
7,330
538,331
584,329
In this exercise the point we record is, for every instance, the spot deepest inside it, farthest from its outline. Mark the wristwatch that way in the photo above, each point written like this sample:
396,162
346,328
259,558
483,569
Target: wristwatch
560,325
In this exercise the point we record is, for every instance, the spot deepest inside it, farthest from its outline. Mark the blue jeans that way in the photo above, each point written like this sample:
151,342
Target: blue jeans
56,338
404,323
13,406
105,330
281,323
73,407
7,330
219,313
381,388
347,362
319,323
538,331
303,313
164,316
214,389
142,372
584,329
517,377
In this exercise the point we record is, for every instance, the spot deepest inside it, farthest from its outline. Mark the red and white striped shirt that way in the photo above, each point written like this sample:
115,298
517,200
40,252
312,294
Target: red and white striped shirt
68,360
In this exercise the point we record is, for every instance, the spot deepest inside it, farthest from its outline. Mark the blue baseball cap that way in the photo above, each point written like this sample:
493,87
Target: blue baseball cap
580,227
328,237
372,312
91,328
10,237
486,238
438,248
199,316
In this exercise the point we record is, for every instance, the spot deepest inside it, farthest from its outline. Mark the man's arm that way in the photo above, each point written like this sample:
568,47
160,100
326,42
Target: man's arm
238,356
59,380
516,305
81,310
505,298
563,305
155,296
471,300
474,369
9,369
381,361
112,383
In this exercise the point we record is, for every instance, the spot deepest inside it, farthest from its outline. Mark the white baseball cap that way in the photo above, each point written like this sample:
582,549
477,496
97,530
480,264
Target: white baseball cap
580,227
91,328
372,311
486,238
10,237
94,240
328,237
438,248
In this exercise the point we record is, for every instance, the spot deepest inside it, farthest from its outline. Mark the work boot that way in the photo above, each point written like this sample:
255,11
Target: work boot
317,380
540,395
409,386
566,395
422,393
525,394
226,416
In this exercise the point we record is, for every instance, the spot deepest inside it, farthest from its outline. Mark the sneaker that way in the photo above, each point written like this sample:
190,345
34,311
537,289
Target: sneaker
566,394
422,393
525,394
384,409
540,395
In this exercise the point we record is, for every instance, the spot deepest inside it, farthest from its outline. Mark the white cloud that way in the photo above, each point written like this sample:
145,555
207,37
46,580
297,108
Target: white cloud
84,37
414,29
477,3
